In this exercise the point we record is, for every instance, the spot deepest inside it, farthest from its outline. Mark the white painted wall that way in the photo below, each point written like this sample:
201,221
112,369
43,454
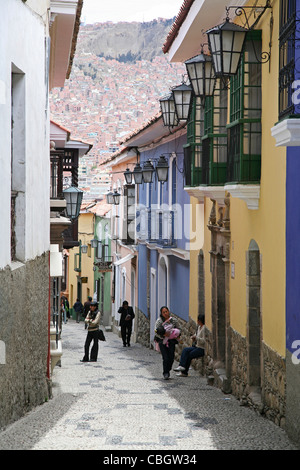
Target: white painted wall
23,47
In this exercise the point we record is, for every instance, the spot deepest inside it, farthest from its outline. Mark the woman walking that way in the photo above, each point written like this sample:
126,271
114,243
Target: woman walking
167,349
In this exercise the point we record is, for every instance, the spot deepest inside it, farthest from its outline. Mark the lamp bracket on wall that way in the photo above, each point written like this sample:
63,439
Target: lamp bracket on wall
257,11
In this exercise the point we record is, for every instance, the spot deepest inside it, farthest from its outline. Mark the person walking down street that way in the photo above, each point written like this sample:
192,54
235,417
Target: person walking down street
78,307
66,306
63,311
167,349
86,309
195,351
127,315
93,321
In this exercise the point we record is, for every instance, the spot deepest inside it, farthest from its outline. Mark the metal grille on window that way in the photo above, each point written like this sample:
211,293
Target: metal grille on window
286,57
214,140
244,129
193,149
129,228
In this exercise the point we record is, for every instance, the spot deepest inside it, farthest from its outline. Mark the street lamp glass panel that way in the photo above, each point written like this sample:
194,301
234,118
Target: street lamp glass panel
182,97
73,197
138,174
226,44
169,115
201,75
162,169
84,248
148,171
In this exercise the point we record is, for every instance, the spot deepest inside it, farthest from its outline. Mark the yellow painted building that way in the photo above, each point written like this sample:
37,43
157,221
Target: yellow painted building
237,267
80,265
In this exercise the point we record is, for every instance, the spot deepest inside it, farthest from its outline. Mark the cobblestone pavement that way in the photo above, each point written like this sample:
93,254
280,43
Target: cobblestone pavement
122,402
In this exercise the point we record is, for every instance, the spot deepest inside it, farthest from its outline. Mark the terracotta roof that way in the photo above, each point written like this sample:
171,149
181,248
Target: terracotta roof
61,127
101,208
151,121
183,12
129,136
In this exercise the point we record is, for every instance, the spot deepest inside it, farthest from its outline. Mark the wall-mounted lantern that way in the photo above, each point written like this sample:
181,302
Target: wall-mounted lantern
73,197
183,101
162,169
201,74
167,105
128,176
110,197
116,197
94,243
226,43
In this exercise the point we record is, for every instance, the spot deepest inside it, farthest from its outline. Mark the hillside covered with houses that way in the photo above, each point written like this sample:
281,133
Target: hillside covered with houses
107,98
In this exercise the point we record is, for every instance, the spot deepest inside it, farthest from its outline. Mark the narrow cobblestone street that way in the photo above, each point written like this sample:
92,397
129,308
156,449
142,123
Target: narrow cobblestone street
122,403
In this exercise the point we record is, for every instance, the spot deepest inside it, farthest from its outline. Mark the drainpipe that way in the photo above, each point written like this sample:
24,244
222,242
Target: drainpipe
49,317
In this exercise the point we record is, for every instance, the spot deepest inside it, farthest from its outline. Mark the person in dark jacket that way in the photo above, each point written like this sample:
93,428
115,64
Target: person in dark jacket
167,349
78,307
93,321
127,315
86,308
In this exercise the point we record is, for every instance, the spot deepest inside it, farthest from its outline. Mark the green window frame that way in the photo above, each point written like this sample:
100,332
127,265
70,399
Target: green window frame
77,261
193,148
214,140
244,128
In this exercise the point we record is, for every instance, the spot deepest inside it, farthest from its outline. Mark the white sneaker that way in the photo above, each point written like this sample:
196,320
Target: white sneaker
179,369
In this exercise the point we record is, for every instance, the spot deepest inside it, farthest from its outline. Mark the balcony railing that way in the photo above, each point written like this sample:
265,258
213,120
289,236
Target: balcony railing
157,226
104,264
193,164
214,160
56,174
244,159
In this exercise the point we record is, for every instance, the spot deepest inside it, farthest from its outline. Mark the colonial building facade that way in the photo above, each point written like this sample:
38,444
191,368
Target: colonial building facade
34,57
238,177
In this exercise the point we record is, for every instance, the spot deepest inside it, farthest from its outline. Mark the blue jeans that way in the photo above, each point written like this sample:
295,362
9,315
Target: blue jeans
187,355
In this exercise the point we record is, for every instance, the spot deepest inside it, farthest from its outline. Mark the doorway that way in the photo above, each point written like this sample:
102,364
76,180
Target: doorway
254,335
153,304
163,284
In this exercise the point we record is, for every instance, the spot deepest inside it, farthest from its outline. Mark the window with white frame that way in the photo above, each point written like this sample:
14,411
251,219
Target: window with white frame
129,214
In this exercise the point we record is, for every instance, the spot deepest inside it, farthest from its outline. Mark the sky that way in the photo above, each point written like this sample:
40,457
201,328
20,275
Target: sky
94,11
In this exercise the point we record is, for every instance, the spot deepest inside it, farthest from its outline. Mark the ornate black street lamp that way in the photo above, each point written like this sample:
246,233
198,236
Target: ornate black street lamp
116,197
73,197
226,42
138,174
162,169
167,106
110,198
148,171
201,75
94,243
128,176
183,101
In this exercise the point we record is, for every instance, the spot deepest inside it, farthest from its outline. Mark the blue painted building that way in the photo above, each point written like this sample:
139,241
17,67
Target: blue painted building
287,133
162,226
